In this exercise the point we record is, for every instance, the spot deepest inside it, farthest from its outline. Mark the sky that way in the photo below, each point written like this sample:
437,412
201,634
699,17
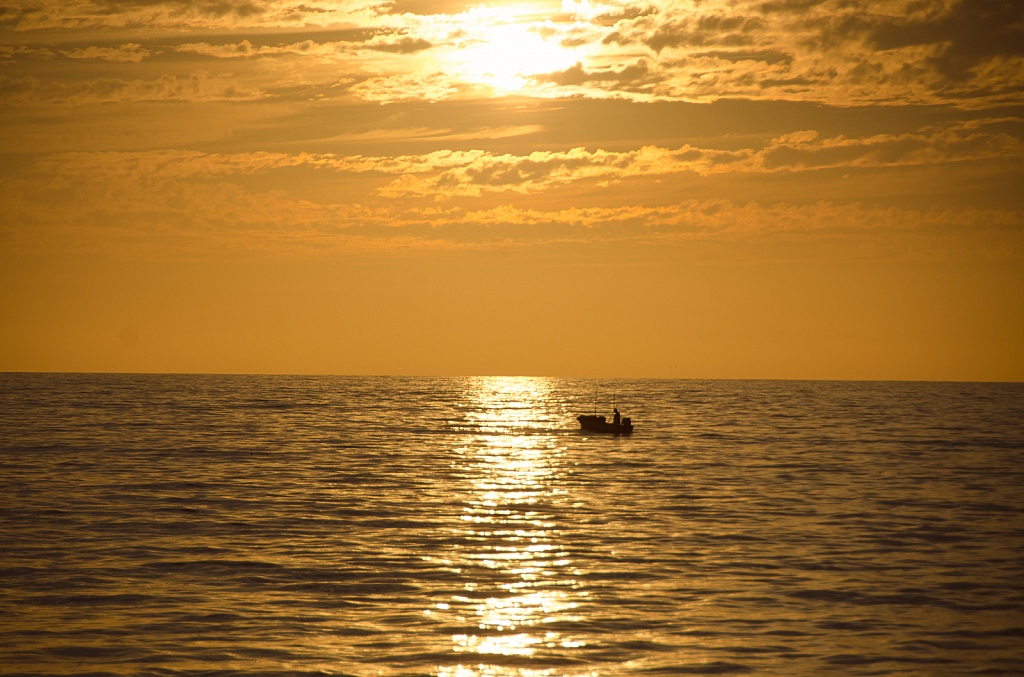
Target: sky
805,189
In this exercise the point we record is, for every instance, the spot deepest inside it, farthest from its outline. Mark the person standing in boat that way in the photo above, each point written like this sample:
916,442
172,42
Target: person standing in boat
616,417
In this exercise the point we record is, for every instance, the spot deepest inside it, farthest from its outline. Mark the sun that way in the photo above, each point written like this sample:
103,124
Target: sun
509,54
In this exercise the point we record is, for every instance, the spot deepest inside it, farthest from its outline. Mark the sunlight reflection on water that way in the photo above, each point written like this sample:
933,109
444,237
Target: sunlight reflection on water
507,534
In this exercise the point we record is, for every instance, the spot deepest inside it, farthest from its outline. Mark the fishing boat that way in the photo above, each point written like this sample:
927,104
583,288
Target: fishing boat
599,424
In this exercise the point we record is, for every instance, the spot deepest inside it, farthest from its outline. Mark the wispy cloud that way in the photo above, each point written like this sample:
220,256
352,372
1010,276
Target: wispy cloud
127,52
793,152
435,86
179,14
31,90
474,173
443,135
391,42
170,215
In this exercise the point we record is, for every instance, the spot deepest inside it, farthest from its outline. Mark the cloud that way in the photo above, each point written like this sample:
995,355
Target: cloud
435,86
180,14
634,77
963,52
945,45
31,91
521,174
966,52
708,30
887,150
967,34
447,174
381,42
801,151
607,12
245,49
139,168
767,57
789,6
404,45
700,219
240,50
18,51
147,203
127,52
432,134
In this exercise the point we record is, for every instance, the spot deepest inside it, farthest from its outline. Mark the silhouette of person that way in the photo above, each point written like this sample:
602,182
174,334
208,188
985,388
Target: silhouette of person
616,416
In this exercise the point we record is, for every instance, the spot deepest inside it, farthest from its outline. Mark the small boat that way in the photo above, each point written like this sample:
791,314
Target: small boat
598,424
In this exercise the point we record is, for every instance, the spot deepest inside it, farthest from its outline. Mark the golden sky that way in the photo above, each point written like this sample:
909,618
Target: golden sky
697,189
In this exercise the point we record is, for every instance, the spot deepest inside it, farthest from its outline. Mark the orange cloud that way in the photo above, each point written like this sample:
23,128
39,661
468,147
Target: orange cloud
474,173
801,151
32,91
170,214
127,52
966,52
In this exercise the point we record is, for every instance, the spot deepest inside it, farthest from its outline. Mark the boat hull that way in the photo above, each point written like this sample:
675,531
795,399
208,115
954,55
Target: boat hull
598,424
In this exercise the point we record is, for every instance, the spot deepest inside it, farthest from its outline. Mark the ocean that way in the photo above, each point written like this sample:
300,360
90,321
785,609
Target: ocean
303,525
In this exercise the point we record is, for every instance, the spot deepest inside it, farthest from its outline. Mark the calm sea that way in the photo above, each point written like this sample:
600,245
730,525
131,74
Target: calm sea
272,525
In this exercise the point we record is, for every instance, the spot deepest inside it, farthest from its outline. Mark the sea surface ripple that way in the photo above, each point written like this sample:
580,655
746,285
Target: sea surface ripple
272,525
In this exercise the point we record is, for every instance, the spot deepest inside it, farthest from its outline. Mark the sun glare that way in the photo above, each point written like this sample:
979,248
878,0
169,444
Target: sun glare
510,55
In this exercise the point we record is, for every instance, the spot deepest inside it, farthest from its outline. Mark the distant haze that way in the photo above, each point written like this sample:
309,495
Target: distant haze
717,189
